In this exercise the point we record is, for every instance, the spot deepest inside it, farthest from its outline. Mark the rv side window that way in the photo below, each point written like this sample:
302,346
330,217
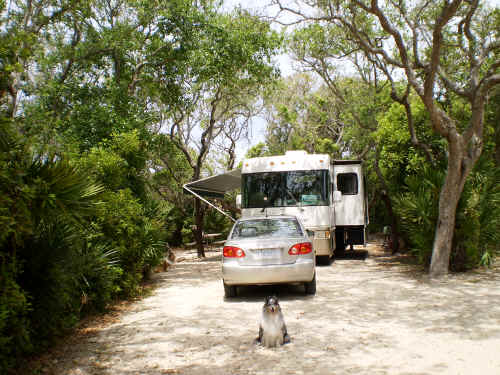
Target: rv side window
347,183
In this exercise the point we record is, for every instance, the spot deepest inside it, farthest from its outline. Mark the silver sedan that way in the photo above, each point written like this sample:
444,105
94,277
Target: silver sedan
268,250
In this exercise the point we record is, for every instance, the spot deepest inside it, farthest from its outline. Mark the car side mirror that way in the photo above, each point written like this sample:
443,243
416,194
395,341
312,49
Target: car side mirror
337,196
238,201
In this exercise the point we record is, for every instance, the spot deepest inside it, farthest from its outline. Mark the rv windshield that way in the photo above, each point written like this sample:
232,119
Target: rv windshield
284,189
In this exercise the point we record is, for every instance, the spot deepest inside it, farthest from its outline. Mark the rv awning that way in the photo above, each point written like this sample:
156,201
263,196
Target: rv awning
216,186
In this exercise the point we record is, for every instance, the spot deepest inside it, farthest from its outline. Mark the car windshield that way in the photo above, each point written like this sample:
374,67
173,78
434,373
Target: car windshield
283,227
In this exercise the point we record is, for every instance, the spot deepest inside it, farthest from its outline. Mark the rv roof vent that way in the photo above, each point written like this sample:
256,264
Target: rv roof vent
296,153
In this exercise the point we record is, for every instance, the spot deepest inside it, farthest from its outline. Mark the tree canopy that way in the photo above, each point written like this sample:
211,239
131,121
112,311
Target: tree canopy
447,51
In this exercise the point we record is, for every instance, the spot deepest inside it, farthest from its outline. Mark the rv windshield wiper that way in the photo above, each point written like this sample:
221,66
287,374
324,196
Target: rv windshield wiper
266,205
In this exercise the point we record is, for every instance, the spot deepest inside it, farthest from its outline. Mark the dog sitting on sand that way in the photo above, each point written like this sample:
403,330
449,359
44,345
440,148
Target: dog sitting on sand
272,328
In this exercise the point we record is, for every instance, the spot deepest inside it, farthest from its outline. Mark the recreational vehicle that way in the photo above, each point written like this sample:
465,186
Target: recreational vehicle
327,195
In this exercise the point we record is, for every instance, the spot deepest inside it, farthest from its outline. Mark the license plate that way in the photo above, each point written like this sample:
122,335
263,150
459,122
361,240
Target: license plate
267,253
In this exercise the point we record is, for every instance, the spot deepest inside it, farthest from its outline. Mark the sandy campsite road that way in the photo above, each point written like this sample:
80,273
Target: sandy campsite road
373,316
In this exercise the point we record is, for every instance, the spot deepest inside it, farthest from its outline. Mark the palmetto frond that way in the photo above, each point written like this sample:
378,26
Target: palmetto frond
59,187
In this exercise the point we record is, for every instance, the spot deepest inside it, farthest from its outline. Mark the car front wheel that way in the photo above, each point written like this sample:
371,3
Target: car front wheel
229,290
310,287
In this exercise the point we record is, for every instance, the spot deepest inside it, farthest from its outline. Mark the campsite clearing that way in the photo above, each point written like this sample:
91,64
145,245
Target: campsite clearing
380,315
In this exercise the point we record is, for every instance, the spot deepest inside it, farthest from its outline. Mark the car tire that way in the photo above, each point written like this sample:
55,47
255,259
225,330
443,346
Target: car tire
310,287
229,291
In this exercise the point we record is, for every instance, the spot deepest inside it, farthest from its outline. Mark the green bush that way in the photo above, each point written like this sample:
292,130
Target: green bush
99,275
14,315
477,232
138,239
418,211
477,228
51,280
45,204
68,245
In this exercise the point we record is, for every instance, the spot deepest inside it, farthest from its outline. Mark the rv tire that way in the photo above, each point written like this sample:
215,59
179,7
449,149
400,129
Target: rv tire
229,291
323,260
339,243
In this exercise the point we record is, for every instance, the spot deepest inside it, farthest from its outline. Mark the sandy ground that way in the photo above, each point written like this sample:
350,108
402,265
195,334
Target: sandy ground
372,316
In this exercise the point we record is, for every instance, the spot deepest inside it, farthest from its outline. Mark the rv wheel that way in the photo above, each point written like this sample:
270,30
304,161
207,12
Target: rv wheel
339,243
323,260
229,291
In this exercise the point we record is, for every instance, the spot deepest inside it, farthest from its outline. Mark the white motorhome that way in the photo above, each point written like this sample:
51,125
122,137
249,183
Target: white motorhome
327,195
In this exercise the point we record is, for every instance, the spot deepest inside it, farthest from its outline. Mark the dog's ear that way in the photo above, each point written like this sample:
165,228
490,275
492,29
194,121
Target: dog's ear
272,300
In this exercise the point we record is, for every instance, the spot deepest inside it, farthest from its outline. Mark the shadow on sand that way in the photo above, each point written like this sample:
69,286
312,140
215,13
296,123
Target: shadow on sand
353,255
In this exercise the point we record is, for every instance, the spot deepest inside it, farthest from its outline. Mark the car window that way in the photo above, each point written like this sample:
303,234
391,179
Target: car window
286,227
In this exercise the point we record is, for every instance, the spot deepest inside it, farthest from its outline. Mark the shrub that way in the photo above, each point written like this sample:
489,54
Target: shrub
477,232
138,239
477,227
14,311
43,203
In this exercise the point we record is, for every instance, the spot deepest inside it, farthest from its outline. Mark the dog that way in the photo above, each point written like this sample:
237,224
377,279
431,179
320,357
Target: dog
272,328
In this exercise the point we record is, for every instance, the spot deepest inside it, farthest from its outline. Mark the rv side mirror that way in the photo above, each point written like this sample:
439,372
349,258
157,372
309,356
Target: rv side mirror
238,201
310,233
337,196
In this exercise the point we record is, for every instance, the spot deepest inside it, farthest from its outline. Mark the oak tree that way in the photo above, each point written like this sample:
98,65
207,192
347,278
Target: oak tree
443,49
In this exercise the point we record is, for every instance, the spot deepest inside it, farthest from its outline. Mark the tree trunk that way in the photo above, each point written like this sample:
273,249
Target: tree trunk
497,145
198,232
451,191
394,224
388,204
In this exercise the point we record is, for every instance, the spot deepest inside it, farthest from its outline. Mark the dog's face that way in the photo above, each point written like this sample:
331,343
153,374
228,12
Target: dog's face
271,305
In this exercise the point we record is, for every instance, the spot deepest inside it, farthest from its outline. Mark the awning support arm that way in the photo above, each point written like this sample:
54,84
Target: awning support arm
207,202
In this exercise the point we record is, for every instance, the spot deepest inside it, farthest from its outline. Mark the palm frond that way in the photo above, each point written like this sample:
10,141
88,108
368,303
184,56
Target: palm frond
61,187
